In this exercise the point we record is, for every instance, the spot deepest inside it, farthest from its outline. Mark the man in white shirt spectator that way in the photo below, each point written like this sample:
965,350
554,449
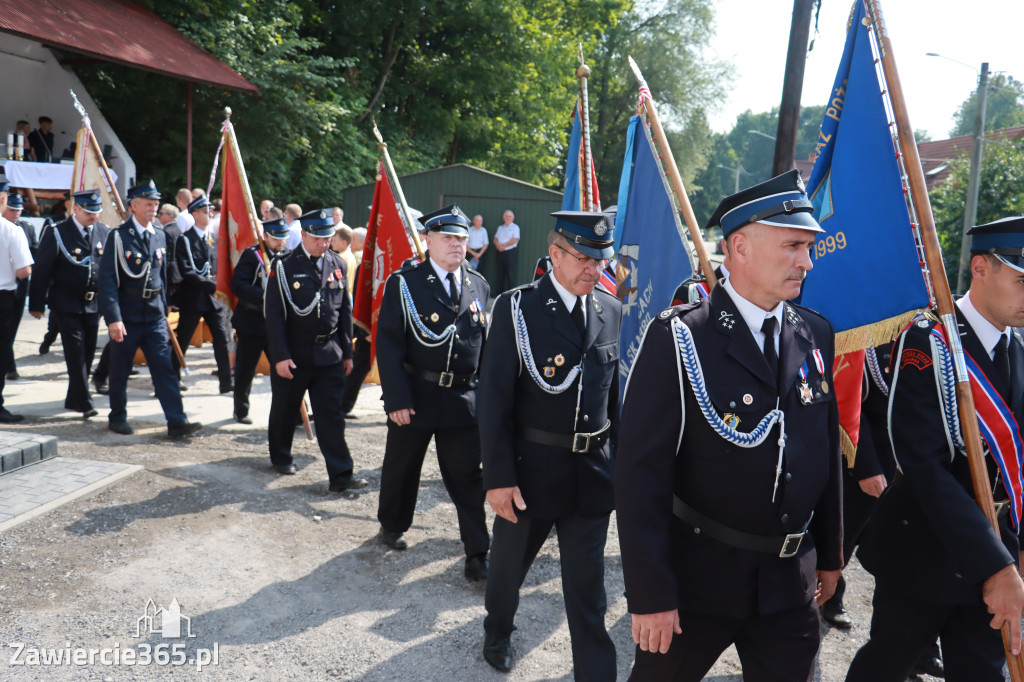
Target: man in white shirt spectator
477,243
506,239
15,264
291,218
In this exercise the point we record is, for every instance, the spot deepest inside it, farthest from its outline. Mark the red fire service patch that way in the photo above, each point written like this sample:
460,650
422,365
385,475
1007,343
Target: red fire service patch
918,358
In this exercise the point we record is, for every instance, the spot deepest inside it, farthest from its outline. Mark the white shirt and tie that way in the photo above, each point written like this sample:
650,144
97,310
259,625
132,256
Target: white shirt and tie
988,334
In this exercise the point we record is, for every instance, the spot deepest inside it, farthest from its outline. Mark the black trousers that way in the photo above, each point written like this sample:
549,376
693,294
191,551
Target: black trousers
247,356
902,626
581,541
774,647
325,385
361,365
10,317
458,455
507,261
102,372
188,320
78,333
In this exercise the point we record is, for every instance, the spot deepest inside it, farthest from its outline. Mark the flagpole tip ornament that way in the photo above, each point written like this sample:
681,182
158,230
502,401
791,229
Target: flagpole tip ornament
583,71
227,112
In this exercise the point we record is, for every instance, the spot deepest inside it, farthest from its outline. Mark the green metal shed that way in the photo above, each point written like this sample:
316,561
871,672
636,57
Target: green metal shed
475,190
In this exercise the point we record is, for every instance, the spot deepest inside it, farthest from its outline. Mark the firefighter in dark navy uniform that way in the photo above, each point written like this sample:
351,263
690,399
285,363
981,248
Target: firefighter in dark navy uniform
133,301
548,418
939,567
195,297
248,283
65,278
728,483
430,334
309,334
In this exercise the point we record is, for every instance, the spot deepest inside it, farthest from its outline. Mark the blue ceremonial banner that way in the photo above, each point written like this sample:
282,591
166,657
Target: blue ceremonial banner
571,196
867,278
574,177
653,257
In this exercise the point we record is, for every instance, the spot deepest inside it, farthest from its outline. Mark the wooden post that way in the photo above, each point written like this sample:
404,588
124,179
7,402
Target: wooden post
943,298
587,191
677,182
792,85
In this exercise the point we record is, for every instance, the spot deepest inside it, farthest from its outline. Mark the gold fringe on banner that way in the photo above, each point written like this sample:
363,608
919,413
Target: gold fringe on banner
849,449
874,334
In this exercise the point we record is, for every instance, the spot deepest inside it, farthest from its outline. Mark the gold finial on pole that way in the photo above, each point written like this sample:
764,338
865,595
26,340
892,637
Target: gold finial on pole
227,112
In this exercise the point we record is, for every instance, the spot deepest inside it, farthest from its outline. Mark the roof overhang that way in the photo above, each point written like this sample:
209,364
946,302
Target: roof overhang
121,32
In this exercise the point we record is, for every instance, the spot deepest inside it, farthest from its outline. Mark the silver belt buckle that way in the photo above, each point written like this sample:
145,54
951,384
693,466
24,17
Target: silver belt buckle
89,295
446,379
147,293
581,442
791,545
1001,508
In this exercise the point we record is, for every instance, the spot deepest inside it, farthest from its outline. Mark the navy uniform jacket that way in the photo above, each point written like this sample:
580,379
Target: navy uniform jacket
120,294
667,447
874,449
293,336
397,345
927,535
555,482
196,292
58,280
172,231
247,286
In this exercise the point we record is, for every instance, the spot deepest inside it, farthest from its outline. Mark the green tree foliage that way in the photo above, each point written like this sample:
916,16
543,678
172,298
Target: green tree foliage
999,195
1004,106
666,40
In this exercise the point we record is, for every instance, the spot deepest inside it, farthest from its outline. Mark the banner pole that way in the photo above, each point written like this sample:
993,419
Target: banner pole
677,182
389,168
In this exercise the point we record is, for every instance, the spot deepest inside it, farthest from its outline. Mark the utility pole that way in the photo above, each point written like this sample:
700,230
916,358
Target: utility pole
792,85
971,207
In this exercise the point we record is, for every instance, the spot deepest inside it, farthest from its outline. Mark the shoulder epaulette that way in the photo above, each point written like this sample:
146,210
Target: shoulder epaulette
471,270
679,310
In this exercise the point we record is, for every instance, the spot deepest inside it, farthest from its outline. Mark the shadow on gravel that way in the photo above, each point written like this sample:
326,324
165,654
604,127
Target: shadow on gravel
370,579
205,486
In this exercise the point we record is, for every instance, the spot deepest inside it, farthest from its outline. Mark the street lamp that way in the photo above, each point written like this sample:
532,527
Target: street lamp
736,171
758,132
971,207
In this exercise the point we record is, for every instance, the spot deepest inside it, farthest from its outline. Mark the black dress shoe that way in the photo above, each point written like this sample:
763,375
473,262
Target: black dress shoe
245,419
91,412
476,567
498,652
183,429
13,375
343,484
285,469
44,347
182,387
836,615
227,388
121,428
9,417
930,665
101,386
393,540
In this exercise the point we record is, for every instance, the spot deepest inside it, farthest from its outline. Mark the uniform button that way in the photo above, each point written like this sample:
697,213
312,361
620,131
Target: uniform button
732,403
957,575
904,522
696,531
785,518
586,417
455,357
789,477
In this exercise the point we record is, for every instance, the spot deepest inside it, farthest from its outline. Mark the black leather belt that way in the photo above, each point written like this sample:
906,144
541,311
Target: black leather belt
137,291
442,379
785,546
577,442
78,293
323,338
250,306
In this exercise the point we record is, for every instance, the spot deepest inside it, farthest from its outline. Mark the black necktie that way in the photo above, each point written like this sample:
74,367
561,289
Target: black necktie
577,317
768,329
88,229
1002,357
453,290
316,266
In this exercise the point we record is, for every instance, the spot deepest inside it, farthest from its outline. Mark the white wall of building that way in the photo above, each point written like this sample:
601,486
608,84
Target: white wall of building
35,84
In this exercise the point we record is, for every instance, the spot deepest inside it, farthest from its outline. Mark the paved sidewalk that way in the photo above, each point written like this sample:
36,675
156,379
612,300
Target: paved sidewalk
36,489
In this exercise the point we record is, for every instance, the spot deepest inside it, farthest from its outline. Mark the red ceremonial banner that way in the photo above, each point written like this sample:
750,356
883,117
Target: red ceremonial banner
387,247
237,233
848,381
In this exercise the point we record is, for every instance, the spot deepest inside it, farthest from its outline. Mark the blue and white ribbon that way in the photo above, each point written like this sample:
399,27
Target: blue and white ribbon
412,317
875,370
695,374
286,295
60,245
522,335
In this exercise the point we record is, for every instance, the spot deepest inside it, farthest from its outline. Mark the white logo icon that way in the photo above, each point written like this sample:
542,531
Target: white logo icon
170,621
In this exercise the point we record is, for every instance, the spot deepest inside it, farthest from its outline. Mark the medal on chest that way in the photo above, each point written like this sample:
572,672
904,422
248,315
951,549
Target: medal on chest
804,389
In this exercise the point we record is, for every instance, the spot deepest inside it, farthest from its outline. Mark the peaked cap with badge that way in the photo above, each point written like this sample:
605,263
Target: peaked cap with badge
198,204
591,233
448,220
145,190
276,228
780,202
15,201
1003,238
88,200
318,223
